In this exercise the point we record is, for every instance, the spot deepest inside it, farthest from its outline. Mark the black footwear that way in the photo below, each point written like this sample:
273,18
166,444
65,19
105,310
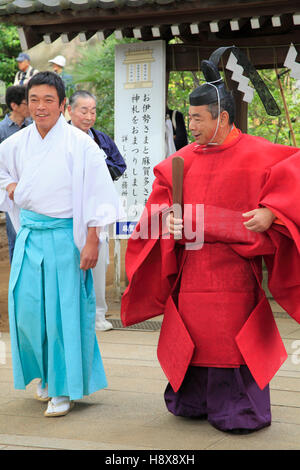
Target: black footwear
241,431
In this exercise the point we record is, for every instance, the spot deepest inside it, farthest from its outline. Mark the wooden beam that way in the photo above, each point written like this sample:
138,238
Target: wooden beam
86,35
266,35
183,57
137,33
67,37
49,38
29,38
101,35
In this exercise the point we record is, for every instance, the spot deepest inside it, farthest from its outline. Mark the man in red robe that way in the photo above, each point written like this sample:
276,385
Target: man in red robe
219,345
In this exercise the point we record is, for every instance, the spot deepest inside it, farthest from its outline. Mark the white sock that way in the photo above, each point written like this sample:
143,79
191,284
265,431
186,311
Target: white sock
59,400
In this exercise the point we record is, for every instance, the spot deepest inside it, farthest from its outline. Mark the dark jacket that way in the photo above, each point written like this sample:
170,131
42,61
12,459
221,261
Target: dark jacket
115,162
179,129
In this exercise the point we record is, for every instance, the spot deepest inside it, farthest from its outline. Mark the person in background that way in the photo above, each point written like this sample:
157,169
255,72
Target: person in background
58,64
179,128
169,138
26,71
16,119
82,110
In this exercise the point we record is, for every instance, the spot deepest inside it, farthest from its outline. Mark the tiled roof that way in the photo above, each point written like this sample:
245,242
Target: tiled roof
9,7
199,23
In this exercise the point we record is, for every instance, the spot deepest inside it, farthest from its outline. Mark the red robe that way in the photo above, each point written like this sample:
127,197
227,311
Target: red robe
215,311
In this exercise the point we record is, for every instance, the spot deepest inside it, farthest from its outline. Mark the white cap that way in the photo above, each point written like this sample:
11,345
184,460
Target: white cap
58,60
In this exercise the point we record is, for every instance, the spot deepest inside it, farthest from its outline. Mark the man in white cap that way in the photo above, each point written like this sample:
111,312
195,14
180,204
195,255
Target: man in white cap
26,71
58,63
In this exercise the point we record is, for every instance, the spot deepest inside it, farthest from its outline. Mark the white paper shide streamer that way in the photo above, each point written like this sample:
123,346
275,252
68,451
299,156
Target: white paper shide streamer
237,75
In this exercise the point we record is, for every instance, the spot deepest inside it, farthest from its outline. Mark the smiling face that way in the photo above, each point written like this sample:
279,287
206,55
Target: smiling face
203,126
44,107
83,113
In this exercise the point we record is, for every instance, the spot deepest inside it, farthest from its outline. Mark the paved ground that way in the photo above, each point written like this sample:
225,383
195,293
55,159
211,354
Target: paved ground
130,413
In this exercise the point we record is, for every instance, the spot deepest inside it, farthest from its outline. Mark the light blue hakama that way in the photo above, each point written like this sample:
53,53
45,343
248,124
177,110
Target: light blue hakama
52,311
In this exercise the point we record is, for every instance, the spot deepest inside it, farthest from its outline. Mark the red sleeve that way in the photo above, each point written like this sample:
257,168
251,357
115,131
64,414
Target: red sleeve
281,194
151,262
281,191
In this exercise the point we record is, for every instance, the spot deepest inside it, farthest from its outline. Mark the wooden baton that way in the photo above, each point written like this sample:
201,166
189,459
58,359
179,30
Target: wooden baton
177,183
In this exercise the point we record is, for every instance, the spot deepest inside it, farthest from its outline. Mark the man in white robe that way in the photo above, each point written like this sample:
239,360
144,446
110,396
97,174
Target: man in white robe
56,187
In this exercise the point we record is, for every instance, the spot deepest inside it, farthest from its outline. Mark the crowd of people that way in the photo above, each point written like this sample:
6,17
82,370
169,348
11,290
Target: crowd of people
26,71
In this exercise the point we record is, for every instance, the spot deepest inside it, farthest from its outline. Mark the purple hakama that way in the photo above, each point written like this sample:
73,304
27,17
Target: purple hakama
228,398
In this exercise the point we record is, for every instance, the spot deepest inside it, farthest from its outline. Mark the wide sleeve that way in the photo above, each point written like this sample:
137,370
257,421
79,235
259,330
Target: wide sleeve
7,173
152,261
115,162
204,223
7,176
101,201
281,194
96,202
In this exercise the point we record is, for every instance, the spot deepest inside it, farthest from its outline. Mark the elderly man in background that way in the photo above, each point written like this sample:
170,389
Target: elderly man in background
82,110
26,71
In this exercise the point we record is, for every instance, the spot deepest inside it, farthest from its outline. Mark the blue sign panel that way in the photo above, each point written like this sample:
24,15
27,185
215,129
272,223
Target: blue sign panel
124,229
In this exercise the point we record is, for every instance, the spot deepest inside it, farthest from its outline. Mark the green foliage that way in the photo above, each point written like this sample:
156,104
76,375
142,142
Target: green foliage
275,129
95,72
9,49
180,86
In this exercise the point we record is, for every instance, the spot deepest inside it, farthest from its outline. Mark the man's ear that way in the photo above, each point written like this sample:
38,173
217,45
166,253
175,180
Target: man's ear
13,106
224,119
63,106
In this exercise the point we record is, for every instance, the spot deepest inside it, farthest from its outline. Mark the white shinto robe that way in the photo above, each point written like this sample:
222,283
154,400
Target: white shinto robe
67,164
51,301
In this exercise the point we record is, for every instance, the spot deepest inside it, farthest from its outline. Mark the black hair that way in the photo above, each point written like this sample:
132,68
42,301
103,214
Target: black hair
15,94
226,104
50,79
80,94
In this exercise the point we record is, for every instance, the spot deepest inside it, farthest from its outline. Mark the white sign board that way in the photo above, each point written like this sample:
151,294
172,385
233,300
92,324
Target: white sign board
140,108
